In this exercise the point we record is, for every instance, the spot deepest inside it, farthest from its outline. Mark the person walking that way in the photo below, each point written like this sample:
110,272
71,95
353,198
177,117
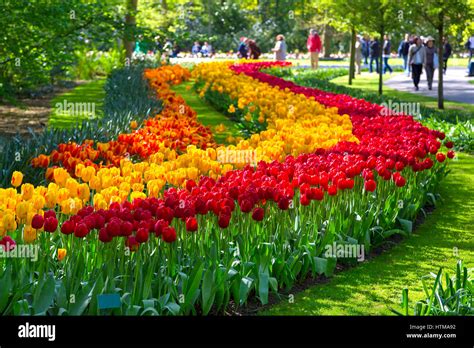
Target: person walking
431,61
358,53
374,51
416,59
280,48
387,46
403,53
365,48
447,50
314,47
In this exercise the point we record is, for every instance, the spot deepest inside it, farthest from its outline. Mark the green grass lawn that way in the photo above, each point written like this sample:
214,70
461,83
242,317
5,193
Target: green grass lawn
369,82
206,114
375,285
85,98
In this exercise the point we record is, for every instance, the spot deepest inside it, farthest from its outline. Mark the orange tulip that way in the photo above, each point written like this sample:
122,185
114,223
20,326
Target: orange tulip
61,254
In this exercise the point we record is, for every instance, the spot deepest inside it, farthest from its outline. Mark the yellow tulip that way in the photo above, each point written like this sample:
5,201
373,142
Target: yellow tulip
17,178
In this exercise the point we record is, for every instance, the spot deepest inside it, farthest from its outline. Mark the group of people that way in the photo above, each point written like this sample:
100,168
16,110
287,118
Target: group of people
369,50
248,48
416,52
205,50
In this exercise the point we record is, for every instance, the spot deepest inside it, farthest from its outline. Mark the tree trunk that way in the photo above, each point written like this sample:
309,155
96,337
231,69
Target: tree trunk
352,59
130,25
440,64
381,62
327,40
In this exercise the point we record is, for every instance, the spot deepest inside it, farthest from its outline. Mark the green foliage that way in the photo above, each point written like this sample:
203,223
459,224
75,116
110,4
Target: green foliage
445,296
127,98
91,63
39,38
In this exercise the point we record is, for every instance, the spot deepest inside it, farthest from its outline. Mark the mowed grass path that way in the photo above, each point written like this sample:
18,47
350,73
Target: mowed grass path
206,114
85,98
375,285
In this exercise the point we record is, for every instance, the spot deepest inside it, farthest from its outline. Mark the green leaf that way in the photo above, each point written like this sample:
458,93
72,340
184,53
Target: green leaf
6,284
192,286
407,225
46,295
263,283
320,264
208,291
245,286
173,308
82,300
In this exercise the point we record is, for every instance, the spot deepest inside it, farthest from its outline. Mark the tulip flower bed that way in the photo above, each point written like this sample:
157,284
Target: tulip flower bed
173,229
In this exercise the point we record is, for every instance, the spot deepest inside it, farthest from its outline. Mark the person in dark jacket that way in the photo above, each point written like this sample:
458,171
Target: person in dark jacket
447,50
403,53
365,48
242,50
387,46
374,50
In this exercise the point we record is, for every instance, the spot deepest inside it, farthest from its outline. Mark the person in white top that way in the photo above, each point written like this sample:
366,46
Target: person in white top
280,48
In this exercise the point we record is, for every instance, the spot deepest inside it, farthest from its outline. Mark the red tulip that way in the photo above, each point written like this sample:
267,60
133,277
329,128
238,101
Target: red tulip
81,230
142,235
169,234
450,154
126,228
50,224
68,227
258,214
104,237
440,157
191,224
223,220
49,213
370,185
132,243
7,243
37,221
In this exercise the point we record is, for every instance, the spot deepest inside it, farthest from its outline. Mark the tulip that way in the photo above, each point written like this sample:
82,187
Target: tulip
37,221
258,214
50,224
7,243
61,254
17,178
191,224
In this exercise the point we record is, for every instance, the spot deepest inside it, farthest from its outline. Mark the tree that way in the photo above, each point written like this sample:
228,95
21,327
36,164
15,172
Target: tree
39,38
130,28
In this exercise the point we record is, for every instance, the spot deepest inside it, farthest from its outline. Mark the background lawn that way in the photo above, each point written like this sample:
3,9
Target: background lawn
91,92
